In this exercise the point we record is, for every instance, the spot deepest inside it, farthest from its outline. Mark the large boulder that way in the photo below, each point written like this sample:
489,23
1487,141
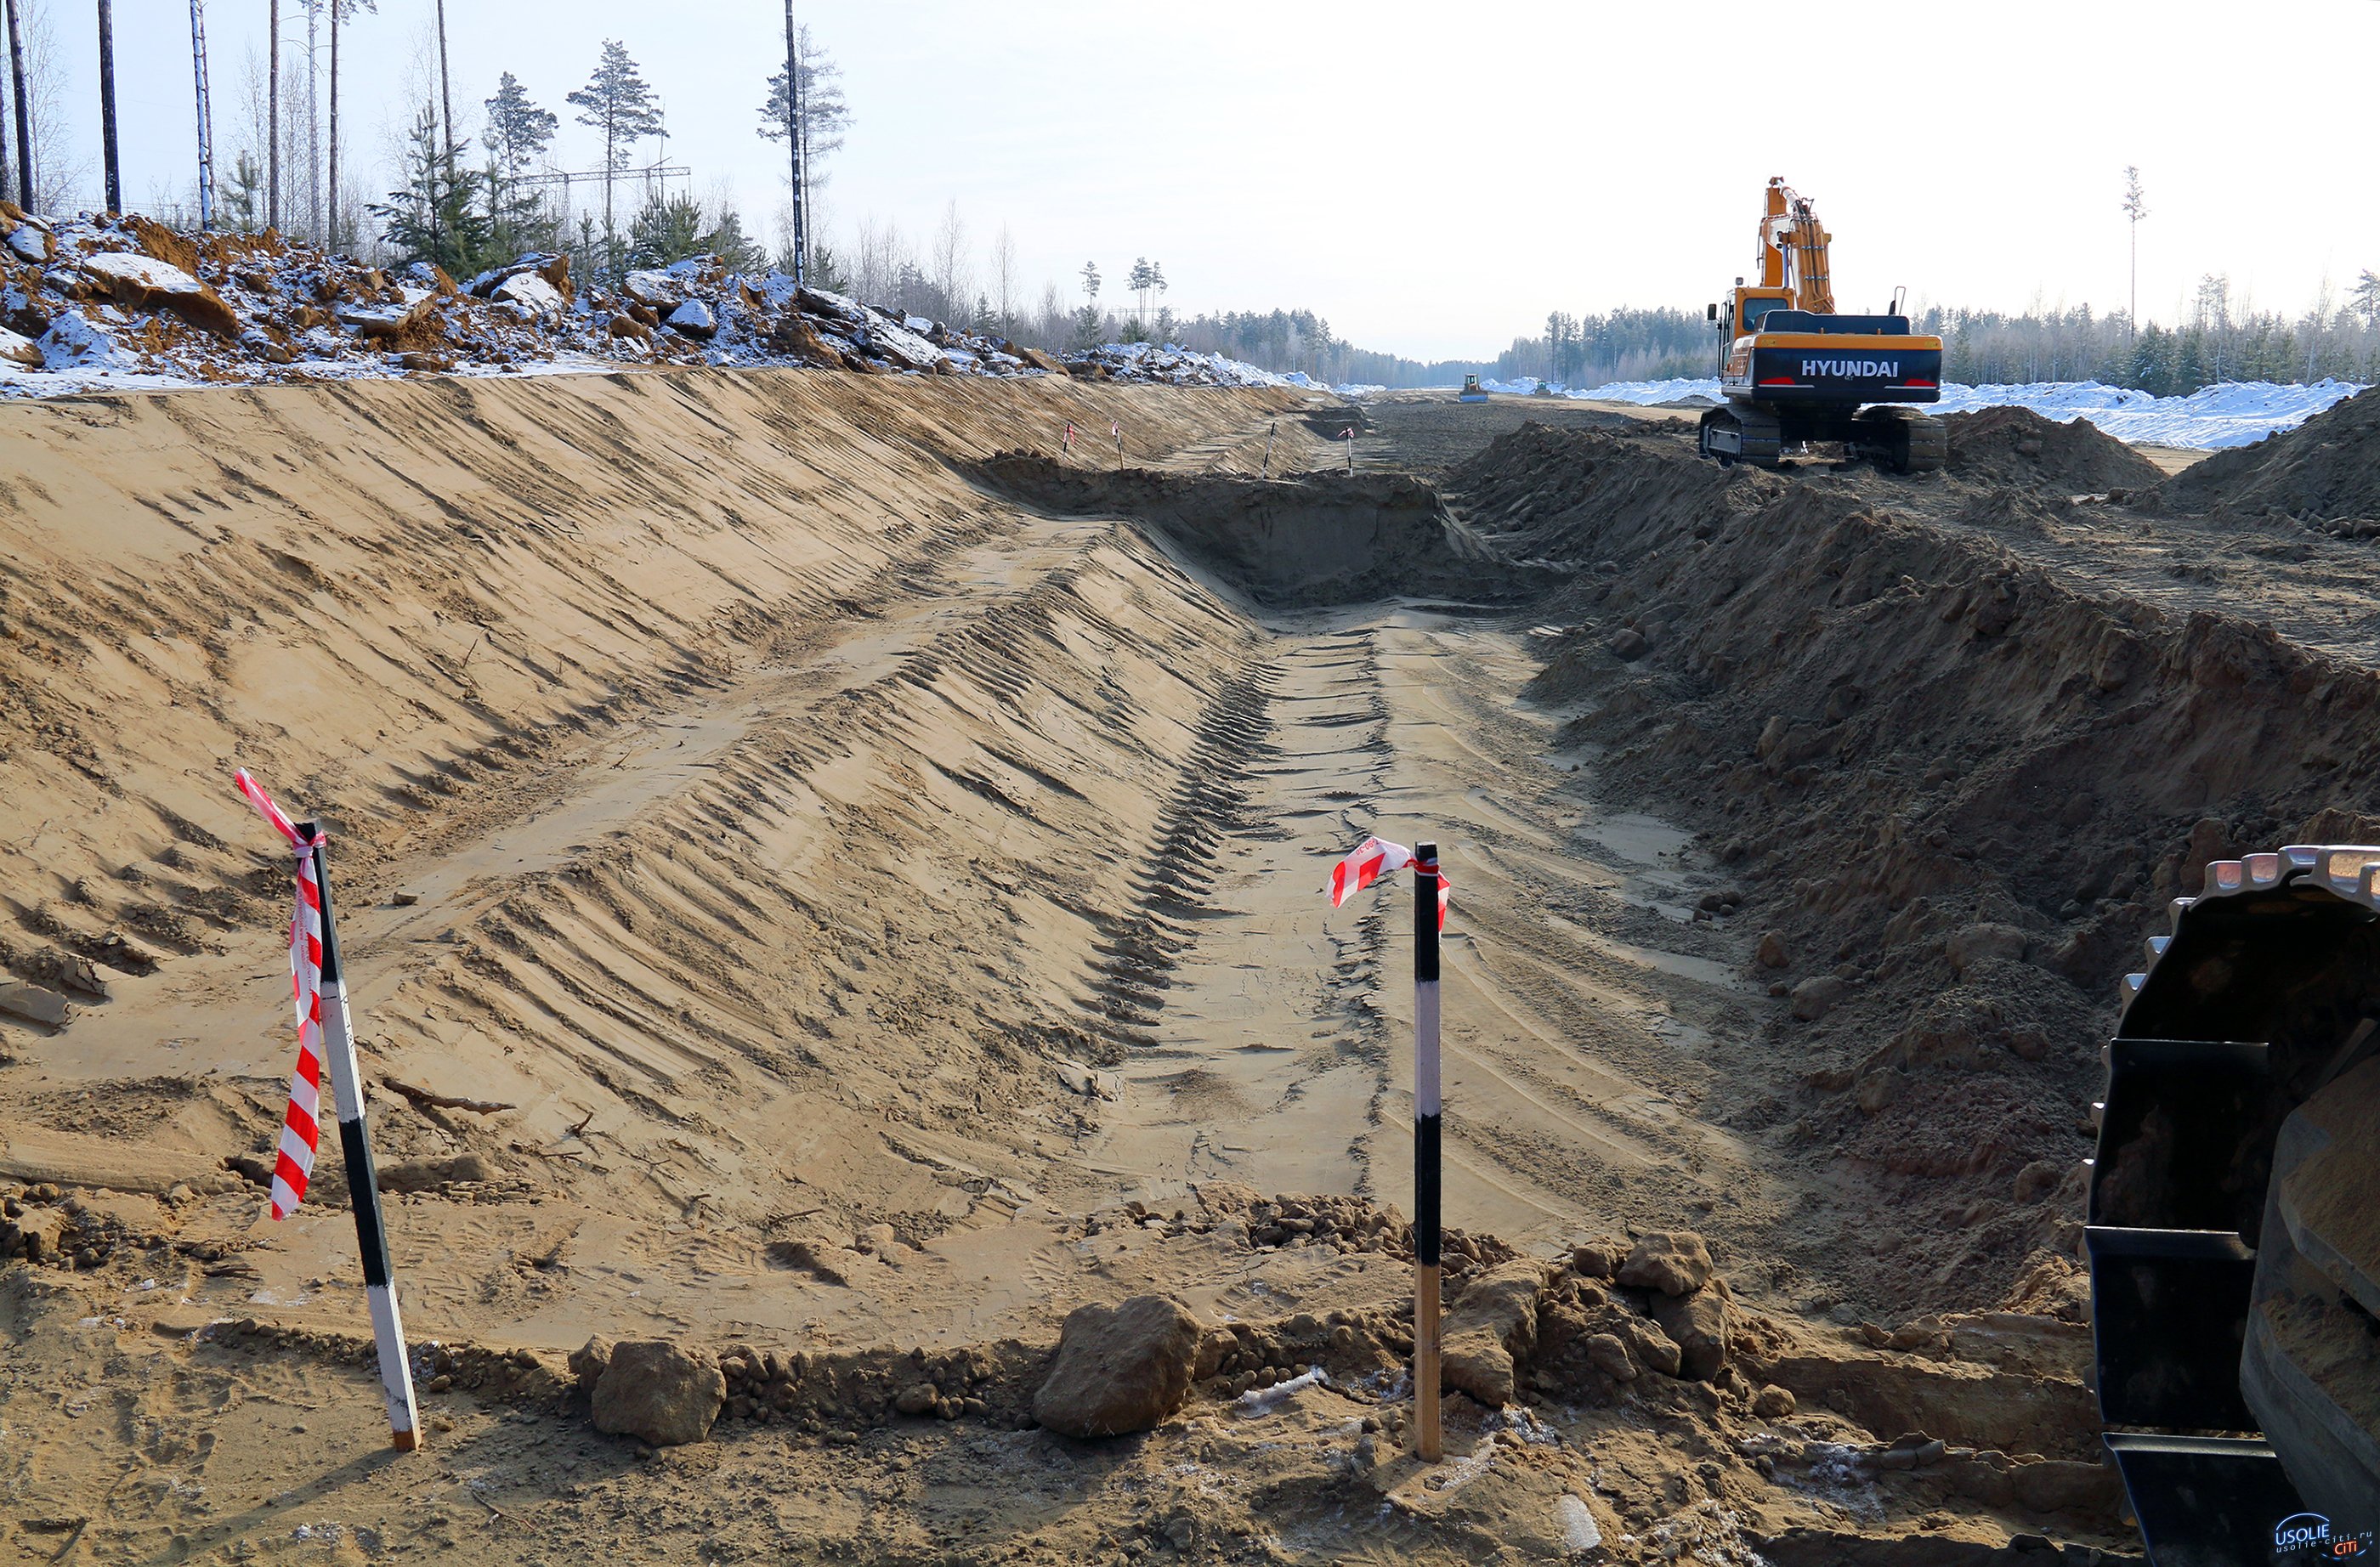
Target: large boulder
695,319
531,293
1493,1324
1674,1262
145,283
657,1392
1119,1370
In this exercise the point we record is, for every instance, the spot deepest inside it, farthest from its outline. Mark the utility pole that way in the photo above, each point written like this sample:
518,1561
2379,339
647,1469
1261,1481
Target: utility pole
793,146
206,117
24,110
107,105
272,120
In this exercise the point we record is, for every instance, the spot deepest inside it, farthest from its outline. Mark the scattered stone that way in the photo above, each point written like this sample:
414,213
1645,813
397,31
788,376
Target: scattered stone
35,1004
1977,942
429,1174
1493,1324
659,1393
1674,1262
1772,1403
2036,1180
1816,997
530,293
695,319
147,284
588,1361
917,1398
1697,1324
1598,1259
1611,1357
1772,953
1629,645
1119,1370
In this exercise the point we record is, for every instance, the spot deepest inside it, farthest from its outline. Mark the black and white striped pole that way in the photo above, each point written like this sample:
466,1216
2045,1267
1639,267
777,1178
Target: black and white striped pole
1427,1109
363,1182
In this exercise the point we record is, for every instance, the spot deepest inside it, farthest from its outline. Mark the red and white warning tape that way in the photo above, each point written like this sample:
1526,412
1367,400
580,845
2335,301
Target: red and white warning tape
1376,858
302,1128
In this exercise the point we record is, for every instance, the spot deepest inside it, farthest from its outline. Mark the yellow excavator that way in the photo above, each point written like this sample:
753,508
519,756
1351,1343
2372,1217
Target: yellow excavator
1793,370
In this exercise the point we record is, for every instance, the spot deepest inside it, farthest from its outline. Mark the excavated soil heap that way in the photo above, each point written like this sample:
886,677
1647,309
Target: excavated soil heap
2326,469
1957,791
2017,446
1322,538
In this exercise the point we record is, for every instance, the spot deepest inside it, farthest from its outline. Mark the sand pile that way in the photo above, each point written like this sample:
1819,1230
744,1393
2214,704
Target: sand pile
2019,447
1321,539
1941,778
2325,472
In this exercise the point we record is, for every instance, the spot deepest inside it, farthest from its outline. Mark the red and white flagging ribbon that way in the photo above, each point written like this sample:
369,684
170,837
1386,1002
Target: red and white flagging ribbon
302,1128
1376,858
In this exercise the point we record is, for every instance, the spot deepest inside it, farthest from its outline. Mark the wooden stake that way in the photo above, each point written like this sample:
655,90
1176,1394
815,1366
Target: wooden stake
1427,1436
363,1182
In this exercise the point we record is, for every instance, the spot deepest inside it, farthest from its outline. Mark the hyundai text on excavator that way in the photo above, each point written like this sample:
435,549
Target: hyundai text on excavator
1792,370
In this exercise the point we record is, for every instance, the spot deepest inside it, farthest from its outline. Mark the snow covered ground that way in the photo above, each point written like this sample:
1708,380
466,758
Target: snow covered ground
2231,414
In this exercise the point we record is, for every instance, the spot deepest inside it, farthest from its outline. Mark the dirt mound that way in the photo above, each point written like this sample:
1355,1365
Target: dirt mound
1323,538
1896,734
2326,470
2017,446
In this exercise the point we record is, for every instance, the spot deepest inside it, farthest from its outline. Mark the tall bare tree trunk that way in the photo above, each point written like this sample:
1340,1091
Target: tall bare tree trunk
446,90
793,148
107,105
24,110
206,117
272,121
331,233
313,120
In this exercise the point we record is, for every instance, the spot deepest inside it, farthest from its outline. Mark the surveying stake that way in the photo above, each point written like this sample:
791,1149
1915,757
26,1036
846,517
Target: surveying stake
1373,858
326,1036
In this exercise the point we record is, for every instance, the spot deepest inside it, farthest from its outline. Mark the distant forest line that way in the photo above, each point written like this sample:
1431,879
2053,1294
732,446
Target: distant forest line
2337,338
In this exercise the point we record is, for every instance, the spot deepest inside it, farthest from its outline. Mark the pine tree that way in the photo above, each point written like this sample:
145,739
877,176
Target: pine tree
437,216
815,120
618,102
518,133
244,195
734,249
2364,299
665,231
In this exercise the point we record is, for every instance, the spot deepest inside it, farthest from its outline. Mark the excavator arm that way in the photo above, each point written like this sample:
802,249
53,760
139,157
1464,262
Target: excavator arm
1793,249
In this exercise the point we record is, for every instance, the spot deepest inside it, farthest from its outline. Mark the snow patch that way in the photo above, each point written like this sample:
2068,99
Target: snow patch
2233,413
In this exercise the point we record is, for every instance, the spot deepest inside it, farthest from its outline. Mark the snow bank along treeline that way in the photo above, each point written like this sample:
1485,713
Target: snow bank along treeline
2230,414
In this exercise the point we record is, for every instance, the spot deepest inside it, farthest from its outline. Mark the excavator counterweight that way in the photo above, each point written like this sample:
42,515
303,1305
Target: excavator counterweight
1793,370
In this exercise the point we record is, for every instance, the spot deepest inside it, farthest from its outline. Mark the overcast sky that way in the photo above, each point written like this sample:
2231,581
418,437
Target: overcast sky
1434,178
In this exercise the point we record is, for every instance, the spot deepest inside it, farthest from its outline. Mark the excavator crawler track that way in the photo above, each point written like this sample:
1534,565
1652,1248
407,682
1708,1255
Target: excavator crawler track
1902,439
2234,1265
1735,433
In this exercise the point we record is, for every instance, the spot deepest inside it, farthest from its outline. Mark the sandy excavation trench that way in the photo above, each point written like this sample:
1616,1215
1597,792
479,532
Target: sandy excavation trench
863,856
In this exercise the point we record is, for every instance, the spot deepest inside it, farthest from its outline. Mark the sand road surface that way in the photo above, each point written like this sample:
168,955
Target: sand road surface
875,873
